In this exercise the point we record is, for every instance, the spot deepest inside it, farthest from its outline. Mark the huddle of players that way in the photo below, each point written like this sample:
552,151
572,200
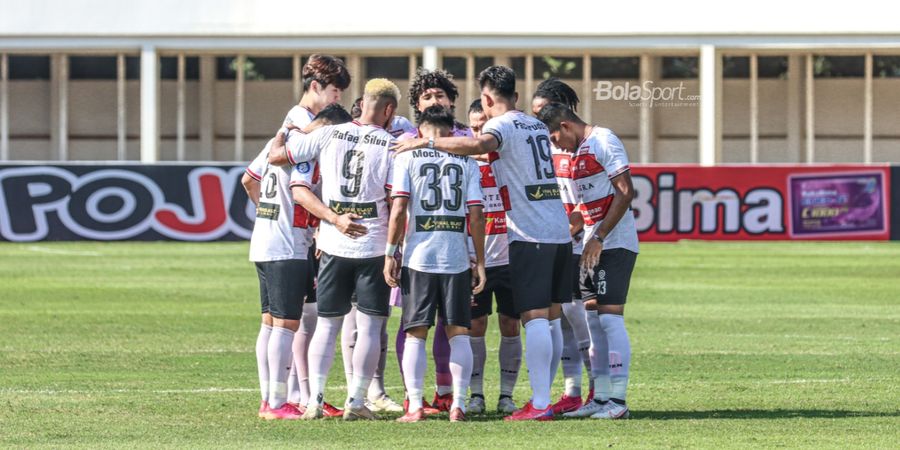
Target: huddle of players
452,217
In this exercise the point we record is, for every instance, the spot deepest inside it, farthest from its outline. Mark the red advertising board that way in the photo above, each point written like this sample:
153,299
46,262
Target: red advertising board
777,202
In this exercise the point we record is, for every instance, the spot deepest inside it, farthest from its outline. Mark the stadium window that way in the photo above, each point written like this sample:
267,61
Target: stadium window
517,64
391,67
271,68
839,66
606,68
255,68
680,67
92,68
768,66
564,67
455,65
483,62
886,66
168,66
29,67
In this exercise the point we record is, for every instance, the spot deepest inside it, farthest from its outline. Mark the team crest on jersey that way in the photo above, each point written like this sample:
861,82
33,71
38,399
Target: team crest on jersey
304,167
601,274
539,192
268,211
365,210
440,223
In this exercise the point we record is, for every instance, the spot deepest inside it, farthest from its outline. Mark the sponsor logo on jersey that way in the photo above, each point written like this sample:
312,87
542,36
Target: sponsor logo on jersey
539,192
366,210
495,223
586,164
268,210
304,167
596,210
440,223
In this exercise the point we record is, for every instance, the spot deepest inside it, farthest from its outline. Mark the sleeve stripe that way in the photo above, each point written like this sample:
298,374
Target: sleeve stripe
253,175
288,153
496,136
301,183
619,172
474,202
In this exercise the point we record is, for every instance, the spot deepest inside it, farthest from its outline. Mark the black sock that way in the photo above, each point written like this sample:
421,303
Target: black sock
617,401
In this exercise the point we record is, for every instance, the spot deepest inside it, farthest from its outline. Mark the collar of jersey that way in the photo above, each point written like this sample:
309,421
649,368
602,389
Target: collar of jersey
356,122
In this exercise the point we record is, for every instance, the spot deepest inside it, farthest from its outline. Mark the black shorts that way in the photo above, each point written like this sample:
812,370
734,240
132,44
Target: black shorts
541,274
576,277
611,278
498,286
282,286
447,294
340,278
312,265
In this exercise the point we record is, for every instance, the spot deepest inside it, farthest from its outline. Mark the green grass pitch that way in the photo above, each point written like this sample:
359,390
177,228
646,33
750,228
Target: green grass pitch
735,345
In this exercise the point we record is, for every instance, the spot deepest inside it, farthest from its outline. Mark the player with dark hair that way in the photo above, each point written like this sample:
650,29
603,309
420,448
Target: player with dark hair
429,88
574,320
496,256
325,77
540,249
603,180
438,191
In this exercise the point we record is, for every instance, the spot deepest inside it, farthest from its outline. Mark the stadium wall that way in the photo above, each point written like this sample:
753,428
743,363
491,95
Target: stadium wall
672,202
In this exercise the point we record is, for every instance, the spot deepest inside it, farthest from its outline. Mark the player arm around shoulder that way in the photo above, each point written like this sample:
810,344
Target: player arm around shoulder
462,145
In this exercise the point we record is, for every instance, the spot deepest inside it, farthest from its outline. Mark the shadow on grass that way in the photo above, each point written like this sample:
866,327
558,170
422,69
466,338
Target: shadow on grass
758,414
726,414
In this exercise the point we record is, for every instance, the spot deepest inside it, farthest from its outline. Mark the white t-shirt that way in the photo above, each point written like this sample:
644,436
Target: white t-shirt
307,174
441,188
568,192
355,165
401,125
276,235
299,116
496,203
525,166
600,158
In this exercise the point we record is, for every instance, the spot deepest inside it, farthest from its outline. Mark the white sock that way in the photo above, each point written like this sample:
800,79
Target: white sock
376,387
293,385
479,354
574,312
279,351
414,366
510,356
262,359
556,340
348,343
460,369
301,349
619,354
365,356
595,329
321,356
538,356
571,360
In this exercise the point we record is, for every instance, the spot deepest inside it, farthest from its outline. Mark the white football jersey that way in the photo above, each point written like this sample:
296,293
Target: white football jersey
355,165
307,174
496,204
600,158
275,235
441,188
525,167
299,116
568,192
